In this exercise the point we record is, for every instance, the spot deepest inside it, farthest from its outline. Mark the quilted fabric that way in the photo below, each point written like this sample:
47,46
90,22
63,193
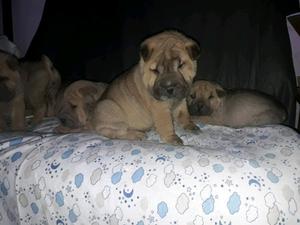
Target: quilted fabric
221,176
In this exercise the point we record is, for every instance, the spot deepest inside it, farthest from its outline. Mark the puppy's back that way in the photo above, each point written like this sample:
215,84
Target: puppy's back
254,108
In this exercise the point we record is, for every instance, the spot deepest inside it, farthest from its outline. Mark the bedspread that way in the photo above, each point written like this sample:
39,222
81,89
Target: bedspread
221,176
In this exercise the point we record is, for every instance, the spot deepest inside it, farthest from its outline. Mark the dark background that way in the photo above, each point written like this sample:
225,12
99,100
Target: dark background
78,33
244,43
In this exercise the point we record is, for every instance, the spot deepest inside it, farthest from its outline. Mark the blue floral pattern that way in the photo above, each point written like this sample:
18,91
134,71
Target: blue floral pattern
221,176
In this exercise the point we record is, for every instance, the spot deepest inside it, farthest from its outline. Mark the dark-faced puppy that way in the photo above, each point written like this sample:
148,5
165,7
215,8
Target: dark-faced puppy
76,105
152,93
12,107
209,103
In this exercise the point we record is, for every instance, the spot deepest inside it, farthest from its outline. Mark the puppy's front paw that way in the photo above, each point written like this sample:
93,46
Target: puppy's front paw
135,135
193,128
174,140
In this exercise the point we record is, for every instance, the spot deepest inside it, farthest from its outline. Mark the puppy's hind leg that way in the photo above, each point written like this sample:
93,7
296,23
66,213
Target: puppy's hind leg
119,131
110,121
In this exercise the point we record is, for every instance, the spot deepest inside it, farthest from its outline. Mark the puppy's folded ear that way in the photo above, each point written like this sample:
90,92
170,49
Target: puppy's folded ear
88,92
46,60
145,51
89,96
221,93
193,50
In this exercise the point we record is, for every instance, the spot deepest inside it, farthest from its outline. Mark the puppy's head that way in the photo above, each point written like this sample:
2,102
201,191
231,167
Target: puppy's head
168,64
78,103
204,98
9,77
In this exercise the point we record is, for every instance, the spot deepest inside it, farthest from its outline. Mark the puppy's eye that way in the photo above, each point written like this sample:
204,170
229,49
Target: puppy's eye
155,71
181,65
73,106
193,96
211,97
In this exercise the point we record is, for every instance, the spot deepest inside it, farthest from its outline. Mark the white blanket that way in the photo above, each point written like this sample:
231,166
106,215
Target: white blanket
222,176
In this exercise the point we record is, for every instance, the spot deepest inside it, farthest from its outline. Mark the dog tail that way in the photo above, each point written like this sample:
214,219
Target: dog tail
53,85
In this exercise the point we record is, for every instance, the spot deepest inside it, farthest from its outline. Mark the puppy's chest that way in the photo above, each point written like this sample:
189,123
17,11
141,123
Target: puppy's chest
138,115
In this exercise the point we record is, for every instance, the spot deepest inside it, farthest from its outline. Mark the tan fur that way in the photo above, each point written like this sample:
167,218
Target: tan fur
41,83
12,105
26,88
76,104
152,93
209,103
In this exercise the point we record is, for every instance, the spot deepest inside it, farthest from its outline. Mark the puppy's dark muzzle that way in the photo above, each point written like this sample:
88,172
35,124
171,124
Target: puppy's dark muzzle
199,109
68,121
170,89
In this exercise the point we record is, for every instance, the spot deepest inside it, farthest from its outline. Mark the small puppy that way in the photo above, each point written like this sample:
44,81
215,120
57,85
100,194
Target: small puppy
12,107
75,104
26,87
209,103
41,83
152,93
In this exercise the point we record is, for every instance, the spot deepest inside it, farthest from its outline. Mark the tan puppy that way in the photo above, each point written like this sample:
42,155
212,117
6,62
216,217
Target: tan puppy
12,107
209,103
76,104
152,93
41,84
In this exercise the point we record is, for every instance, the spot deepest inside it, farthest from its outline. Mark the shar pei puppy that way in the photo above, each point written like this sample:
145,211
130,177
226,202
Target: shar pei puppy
12,105
75,104
209,103
26,88
152,94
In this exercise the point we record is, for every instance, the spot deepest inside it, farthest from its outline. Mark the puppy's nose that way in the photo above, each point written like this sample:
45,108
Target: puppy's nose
170,90
169,87
200,107
204,110
194,109
63,121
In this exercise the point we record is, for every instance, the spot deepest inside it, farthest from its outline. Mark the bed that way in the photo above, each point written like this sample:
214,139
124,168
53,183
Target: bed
221,176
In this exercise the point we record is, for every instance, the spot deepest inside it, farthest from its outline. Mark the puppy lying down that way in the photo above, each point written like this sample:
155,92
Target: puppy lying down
75,104
209,103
